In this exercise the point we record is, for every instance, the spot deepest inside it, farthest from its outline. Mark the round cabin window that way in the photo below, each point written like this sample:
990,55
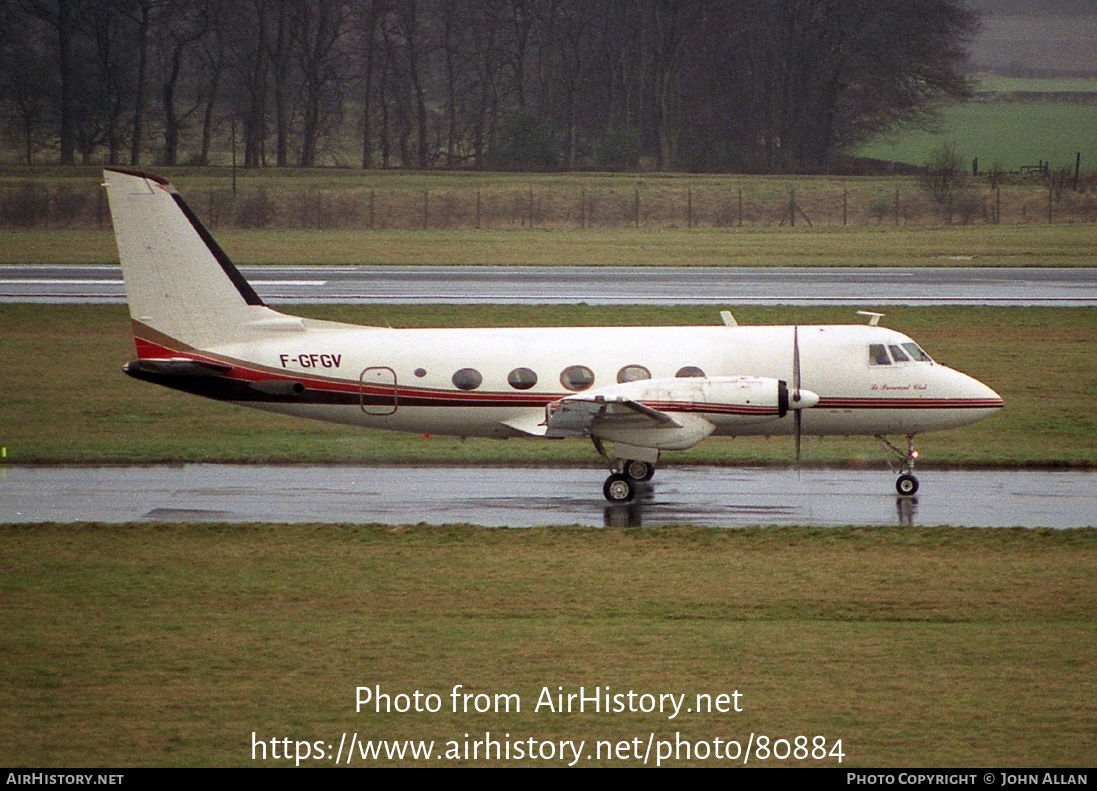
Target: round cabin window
577,377
633,373
467,379
522,378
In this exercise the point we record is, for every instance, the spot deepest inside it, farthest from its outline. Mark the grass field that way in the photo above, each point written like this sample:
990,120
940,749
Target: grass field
64,399
1003,84
1006,135
973,245
162,645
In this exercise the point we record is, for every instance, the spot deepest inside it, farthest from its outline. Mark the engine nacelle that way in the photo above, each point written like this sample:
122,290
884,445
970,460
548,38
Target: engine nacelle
747,399
672,414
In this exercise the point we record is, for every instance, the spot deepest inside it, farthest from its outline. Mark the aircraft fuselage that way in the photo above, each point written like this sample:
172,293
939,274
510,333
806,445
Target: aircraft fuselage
407,379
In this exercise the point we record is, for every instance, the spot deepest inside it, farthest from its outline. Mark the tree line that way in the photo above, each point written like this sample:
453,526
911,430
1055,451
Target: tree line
737,85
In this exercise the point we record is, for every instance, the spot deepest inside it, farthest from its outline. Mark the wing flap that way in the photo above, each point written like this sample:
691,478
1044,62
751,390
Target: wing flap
584,415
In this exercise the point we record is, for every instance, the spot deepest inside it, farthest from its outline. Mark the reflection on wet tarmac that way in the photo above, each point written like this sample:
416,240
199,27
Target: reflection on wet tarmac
526,496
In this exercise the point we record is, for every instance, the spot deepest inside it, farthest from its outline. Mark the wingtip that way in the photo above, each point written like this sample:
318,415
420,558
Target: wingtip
141,174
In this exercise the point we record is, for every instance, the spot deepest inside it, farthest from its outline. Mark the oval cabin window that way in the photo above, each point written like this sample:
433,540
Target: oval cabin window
633,373
467,379
522,378
577,377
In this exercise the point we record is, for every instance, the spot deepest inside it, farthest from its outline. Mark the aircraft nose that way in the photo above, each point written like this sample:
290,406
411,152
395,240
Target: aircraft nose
985,395
975,394
968,401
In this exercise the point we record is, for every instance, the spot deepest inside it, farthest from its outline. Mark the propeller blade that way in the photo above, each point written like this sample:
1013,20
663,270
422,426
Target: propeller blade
798,417
796,363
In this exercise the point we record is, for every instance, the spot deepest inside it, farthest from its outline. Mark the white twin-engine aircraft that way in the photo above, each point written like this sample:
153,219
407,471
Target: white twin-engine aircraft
199,327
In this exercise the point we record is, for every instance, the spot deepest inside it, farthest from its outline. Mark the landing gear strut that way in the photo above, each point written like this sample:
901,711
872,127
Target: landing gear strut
625,474
906,484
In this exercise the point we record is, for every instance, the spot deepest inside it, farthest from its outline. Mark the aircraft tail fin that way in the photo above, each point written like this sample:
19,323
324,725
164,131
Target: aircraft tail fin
180,285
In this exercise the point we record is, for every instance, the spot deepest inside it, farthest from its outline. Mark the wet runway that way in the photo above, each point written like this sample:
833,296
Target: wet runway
1066,287
526,497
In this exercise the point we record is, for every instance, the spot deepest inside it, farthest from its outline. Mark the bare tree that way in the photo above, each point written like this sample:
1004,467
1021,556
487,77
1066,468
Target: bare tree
143,12
109,79
410,28
366,15
319,27
61,16
248,25
776,85
213,62
280,47
28,84
666,44
184,33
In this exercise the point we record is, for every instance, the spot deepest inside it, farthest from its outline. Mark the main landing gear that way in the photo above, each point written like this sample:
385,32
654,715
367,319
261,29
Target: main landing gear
625,475
906,484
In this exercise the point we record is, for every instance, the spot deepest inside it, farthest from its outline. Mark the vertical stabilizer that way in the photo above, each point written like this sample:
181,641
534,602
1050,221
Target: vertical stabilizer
179,282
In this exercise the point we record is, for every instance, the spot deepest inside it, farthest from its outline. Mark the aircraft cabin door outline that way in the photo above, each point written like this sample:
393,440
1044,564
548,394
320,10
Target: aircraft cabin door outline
382,381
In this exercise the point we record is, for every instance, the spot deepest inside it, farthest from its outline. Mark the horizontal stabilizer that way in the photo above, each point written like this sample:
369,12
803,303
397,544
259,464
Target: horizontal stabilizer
181,366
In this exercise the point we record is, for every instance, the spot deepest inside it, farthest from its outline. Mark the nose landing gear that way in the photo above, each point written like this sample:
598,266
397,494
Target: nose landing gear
906,484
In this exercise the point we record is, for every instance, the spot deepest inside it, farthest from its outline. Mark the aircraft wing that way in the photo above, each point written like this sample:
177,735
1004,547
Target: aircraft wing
670,414
615,417
581,415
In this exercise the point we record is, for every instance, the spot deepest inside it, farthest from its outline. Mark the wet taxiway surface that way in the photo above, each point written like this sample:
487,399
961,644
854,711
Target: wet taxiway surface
525,497
1066,287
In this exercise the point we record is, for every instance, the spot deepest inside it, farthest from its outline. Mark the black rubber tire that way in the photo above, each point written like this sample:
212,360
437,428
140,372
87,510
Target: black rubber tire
906,484
639,470
619,488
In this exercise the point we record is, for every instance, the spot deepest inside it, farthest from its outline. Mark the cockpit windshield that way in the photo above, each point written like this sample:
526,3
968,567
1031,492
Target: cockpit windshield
916,353
888,354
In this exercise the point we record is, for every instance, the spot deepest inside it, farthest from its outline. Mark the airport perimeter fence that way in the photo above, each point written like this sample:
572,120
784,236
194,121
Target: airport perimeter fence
34,205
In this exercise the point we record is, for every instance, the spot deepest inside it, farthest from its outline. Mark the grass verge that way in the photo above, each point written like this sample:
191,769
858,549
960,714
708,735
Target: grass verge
172,644
973,245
